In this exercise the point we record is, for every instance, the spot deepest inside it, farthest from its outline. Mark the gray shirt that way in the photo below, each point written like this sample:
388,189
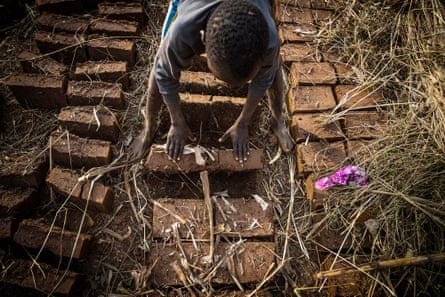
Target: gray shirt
183,41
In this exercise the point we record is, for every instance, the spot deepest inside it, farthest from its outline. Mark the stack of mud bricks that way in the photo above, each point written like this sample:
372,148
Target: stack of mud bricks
321,85
78,67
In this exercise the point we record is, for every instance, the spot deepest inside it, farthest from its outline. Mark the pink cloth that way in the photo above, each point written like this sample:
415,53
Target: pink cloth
349,175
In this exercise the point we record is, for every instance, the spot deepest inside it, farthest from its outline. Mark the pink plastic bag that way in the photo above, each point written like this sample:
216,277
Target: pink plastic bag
349,175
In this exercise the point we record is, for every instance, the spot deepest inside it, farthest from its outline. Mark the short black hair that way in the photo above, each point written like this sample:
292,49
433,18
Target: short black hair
236,37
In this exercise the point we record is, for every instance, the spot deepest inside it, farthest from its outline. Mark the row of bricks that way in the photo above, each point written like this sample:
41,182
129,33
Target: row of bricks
126,10
315,4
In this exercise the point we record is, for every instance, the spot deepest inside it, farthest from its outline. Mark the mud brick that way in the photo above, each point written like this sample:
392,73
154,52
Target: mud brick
115,27
361,150
313,126
166,261
8,226
322,17
33,234
131,11
355,98
95,93
199,63
318,156
66,183
55,280
61,23
298,52
239,217
252,260
191,216
310,99
316,197
297,3
63,47
72,151
365,125
329,234
207,83
348,284
108,71
60,6
296,15
23,170
227,161
112,49
322,4
90,121
311,73
38,90
297,33
223,160
345,73
34,63
17,202
174,292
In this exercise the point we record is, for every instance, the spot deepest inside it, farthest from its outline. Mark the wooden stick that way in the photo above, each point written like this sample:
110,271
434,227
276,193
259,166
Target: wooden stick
382,265
208,202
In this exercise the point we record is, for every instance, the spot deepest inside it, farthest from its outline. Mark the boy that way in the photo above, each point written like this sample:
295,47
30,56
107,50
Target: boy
241,42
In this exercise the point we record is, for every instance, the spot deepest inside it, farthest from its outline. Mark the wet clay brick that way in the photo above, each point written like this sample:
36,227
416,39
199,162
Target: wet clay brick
55,280
115,27
24,170
360,150
131,11
239,217
207,83
329,235
252,260
72,151
318,156
224,292
296,15
310,99
66,183
345,73
347,284
297,33
61,23
33,234
17,202
190,215
365,125
322,4
353,97
166,262
298,52
90,121
60,6
199,63
8,226
311,73
108,71
34,63
316,197
95,93
64,47
112,49
38,90
322,17
297,3
313,126
223,160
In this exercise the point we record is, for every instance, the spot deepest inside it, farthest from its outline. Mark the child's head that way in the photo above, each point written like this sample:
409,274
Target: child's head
236,39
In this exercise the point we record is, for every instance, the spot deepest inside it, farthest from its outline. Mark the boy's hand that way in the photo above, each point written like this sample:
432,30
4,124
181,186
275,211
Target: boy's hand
240,141
176,139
